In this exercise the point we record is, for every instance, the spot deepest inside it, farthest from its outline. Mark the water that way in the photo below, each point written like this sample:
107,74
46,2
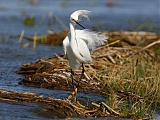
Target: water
123,15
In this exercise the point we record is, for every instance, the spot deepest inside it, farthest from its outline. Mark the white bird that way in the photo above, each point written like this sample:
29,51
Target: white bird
79,43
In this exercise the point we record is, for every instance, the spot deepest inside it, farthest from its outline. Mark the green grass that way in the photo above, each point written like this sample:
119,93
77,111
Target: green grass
135,87
29,21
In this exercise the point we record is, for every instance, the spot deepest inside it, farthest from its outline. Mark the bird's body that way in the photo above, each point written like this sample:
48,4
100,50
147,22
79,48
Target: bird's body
79,43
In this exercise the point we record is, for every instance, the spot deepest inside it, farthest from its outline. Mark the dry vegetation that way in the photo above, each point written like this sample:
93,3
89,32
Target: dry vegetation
126,71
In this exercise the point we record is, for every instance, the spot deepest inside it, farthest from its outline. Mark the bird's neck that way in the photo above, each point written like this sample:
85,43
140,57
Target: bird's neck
74,44
72,30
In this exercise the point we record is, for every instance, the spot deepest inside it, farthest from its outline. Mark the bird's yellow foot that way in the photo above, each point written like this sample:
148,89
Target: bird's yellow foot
71,95
74,93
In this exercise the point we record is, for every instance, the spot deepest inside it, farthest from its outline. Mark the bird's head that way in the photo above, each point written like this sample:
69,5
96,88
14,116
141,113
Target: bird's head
79,15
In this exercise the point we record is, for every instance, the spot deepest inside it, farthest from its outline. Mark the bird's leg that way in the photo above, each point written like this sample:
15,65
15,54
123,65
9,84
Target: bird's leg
74,93
72,78
74,87
82,74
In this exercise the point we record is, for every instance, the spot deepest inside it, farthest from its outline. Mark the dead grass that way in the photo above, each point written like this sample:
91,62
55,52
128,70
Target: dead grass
135,86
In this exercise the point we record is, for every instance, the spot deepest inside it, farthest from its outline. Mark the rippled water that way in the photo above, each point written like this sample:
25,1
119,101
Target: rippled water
123,15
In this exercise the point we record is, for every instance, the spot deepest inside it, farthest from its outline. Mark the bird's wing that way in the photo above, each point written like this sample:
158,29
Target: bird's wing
91,38
73,62
84,51
65,44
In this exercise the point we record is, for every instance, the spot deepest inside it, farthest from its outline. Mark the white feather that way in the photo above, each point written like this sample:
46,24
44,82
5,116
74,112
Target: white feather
73,61
78,44
91,38
80,15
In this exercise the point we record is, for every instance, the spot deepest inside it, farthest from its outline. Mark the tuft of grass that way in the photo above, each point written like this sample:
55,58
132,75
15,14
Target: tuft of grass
29,21
135,87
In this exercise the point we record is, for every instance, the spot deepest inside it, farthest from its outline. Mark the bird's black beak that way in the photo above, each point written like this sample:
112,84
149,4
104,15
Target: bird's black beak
79,24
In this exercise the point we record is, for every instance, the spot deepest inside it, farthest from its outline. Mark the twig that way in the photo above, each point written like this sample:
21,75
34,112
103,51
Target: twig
8,100
46,61
113,42
146,47
150,45
26,45
57,56
86,76
95,104
111,58
90,111
45,79
35,40
107,45
110,109
21,36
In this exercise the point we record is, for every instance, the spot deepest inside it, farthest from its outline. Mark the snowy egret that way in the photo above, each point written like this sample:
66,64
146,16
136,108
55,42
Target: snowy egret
79,43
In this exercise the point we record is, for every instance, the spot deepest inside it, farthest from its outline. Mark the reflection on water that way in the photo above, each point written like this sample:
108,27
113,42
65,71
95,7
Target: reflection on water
119,15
